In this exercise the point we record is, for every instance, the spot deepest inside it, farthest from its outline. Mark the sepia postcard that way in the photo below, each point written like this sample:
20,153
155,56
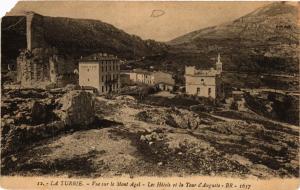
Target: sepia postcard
154,95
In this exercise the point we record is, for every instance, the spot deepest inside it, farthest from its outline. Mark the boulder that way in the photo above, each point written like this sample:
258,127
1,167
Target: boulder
38,112
70,87
77,108
125,97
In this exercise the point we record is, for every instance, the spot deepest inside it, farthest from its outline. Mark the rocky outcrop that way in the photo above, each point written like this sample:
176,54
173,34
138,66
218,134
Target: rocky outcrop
77,108
18,136
38,111
31,115
178,118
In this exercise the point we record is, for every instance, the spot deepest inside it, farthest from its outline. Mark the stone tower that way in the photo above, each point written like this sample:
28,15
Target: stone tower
219,64
34,31
29,17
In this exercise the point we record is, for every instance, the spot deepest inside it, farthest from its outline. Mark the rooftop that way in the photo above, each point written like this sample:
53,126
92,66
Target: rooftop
141,71
99,57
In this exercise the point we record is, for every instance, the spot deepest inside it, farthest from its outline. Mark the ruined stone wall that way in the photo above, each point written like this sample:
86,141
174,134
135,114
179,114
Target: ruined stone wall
32,64
62,70
39,65
63,64
33,67
31,70
42,67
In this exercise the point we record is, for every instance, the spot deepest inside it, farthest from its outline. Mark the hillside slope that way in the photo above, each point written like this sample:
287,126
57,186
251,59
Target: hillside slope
265,40
13,38
89,36
78,37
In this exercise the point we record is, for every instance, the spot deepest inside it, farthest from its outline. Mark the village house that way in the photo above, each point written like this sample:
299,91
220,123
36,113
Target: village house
160,79
164,81
100,71
204,83
140,76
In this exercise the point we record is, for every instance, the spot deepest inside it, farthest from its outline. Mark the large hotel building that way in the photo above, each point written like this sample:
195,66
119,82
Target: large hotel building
100,71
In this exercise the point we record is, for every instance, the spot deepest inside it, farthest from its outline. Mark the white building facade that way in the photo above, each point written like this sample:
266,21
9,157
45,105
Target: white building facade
100,71
141,76
204,83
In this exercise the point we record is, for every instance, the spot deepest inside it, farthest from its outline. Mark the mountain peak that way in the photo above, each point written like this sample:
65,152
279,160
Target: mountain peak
263,40
276,8
270,18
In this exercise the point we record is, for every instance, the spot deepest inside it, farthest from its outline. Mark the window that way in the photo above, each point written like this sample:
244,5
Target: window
198,90
88,79
209,91
102,88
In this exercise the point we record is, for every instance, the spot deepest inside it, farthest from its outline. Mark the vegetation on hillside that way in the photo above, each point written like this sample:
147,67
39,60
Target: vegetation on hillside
265,40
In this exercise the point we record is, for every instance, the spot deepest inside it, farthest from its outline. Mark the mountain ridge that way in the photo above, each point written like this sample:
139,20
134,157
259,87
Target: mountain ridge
77,37
263,12
265,40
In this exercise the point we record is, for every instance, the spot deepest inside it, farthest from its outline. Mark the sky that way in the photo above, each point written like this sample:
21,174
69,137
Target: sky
161,21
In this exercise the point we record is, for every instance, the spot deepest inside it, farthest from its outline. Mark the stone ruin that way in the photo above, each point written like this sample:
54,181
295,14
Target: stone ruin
44,67
40,65
30,115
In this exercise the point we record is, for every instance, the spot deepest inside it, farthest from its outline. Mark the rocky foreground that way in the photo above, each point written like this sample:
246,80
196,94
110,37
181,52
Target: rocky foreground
123,136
